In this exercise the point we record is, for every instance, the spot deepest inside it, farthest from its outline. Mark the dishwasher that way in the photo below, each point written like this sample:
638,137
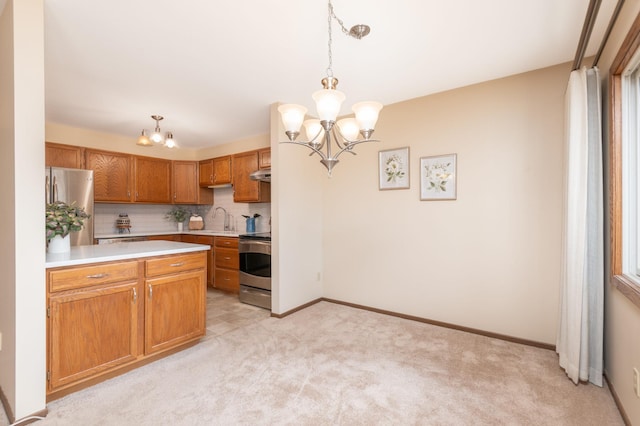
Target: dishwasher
120,240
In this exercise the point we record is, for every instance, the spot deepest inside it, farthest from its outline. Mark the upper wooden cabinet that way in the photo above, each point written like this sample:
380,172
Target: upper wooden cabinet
152,180
112,175
186,189
264,158
215,171
58,155
246,190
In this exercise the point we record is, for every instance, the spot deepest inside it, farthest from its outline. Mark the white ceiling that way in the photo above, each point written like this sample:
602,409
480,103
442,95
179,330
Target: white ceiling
212,68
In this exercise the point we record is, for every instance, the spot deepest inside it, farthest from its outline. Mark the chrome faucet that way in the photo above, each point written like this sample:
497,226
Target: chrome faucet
226,217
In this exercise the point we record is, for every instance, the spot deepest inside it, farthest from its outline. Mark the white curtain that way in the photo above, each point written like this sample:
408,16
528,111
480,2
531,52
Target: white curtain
580,331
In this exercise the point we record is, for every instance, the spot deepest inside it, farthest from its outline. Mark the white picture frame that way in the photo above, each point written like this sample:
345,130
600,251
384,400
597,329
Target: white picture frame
438,177
393,169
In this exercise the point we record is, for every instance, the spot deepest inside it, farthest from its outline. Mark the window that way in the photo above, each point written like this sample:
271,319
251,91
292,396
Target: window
624,166
630,80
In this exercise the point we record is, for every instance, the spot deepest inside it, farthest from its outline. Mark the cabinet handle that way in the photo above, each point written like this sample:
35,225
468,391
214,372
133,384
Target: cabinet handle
175,196
177,264
135,296
227,258
128,194
150,291
98,276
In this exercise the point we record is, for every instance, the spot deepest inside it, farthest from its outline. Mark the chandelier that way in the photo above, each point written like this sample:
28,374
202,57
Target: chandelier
322,132
156,138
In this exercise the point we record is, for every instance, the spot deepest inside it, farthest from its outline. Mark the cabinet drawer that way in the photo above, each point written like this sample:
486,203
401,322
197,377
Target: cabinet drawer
84,276
197,239
226,242
175,263
227,258
227,279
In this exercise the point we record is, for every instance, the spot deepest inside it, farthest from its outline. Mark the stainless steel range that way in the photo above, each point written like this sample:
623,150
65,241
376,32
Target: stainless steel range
255,269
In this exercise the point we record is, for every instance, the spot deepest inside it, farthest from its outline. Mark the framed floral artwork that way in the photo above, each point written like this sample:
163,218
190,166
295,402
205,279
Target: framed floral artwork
438,177
393,168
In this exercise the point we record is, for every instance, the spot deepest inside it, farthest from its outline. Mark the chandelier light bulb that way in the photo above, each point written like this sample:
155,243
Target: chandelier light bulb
169,141
156,136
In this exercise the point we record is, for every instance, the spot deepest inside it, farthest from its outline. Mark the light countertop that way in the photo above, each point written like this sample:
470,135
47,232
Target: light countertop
80,255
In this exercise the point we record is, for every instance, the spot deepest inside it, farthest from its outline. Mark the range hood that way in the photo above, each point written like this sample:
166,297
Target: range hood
263,175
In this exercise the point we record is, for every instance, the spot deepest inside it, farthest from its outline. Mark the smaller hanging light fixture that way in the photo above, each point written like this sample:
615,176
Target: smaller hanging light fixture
156,137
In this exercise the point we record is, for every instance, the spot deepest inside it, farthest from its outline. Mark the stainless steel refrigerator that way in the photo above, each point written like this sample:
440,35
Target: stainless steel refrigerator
72,186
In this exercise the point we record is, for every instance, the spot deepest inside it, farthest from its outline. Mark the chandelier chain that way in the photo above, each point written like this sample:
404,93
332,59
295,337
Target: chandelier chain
330,16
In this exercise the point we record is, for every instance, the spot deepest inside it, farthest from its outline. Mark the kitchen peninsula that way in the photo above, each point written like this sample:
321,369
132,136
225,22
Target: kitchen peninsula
111,308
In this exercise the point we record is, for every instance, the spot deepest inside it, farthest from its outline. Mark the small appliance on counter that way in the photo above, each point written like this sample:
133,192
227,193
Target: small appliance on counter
196,223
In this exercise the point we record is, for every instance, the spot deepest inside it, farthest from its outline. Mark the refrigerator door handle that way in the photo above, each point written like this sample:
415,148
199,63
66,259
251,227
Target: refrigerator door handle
47,196
55,189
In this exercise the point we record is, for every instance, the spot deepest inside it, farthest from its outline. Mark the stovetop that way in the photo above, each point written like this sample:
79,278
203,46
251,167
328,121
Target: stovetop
263,236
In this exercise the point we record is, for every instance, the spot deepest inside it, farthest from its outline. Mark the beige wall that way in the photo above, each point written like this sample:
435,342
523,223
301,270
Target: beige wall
622,318
489,260
22,288
297,222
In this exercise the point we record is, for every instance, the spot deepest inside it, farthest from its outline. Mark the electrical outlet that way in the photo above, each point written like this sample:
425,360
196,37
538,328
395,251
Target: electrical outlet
636,382
318,276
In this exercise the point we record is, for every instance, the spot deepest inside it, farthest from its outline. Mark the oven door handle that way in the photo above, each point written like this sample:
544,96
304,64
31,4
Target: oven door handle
254,247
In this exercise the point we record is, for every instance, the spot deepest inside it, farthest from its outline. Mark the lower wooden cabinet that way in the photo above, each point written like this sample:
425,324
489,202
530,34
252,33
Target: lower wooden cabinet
173,310
108,317
92,331
226,264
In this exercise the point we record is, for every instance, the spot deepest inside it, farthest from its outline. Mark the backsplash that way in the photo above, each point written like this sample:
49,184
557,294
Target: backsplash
151,217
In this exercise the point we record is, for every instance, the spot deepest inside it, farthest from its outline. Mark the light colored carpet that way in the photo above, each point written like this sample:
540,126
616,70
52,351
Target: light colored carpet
334,365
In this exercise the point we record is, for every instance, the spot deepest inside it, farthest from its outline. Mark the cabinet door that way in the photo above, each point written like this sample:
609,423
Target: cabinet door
244,189
91,331
264,158
112,175
222,170
58,155
186,187
175,310
152,180
185,184
205,172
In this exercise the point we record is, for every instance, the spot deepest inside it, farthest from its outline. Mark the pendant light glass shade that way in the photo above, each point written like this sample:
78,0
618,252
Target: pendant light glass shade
314,131
367,114
328,103
143,140
292,116
349,129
